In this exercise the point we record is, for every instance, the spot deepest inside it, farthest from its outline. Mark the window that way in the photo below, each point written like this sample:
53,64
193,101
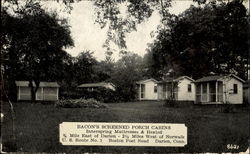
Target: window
235,90
189,88
155,89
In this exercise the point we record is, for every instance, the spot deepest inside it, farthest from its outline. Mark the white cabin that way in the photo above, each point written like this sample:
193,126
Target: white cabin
47,91
219,90
182,89
147,89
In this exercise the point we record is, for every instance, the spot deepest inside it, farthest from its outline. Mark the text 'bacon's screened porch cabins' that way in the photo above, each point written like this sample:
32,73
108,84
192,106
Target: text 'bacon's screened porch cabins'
219,90
47,91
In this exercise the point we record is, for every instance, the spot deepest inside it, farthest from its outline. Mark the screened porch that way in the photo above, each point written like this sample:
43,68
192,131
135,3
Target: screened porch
209,92
165,91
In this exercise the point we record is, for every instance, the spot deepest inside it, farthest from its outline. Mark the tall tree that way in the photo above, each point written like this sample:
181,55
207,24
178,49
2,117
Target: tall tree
110,14
127,71
84,67
204,39
34,40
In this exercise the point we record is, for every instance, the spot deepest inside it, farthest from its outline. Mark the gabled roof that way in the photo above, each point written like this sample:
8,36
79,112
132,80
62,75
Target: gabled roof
182,77
237,77
147,80
99,84
217,78
176,79
209,78
42,84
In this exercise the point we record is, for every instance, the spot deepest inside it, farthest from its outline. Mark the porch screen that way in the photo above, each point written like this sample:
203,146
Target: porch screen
220,92
198,92
204,92
164,87
212,91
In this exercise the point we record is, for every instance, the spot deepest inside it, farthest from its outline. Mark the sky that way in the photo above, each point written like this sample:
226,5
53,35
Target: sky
88,35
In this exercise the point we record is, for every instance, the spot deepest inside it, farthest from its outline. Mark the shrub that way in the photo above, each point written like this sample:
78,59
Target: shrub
170,102
106,95
80,103
101,94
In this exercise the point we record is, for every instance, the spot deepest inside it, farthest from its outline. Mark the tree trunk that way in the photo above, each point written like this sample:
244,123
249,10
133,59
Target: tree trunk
33,90
33,99
13,117
163,15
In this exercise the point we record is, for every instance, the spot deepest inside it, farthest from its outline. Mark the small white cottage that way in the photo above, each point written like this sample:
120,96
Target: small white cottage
93,86
219,90
147,89
47,91
181,89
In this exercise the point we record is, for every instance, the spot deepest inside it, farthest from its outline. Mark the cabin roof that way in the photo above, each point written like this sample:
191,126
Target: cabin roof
42,84
182,77
146,80
217,77
209,78
176,79
99,84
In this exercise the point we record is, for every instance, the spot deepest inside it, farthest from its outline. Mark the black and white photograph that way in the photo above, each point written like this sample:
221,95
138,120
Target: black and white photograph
125,76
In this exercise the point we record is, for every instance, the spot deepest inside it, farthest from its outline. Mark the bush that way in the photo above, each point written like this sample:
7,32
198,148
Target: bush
106,95
170,102
80,103
101,94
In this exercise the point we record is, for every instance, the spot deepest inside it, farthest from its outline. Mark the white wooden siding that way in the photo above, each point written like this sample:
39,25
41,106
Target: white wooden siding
43,93
183,94
149,93
24,93
228,88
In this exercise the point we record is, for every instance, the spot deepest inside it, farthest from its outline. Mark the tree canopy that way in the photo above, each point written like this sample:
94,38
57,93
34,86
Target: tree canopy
33,42
127,71
205,39
83,66
108,13
208,38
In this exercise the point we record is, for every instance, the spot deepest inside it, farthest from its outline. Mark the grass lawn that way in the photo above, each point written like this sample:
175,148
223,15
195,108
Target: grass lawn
209,129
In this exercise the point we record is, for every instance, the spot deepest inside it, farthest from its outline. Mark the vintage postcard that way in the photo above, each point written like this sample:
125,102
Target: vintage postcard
125,76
